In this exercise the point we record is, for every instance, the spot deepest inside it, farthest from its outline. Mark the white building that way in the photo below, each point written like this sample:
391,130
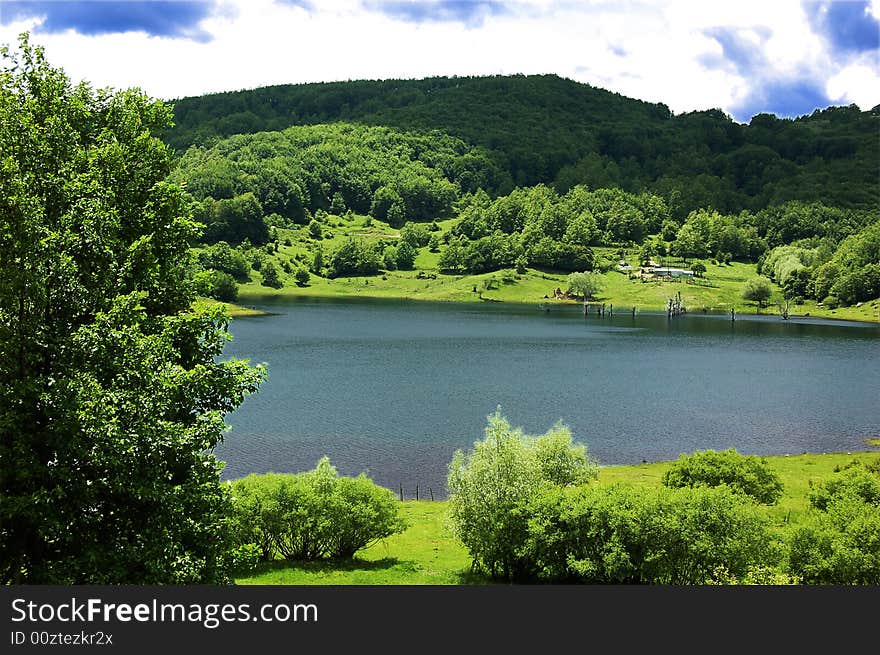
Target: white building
672,272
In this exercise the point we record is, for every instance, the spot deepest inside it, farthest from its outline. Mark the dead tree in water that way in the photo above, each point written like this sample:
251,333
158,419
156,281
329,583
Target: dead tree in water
674,306
784,308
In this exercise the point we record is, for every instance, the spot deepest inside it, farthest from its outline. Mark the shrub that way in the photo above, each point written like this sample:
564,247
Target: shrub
222,257
216,284
312,515
625,535
270,276
301,276
830,302
745,474
839,546
415,234
315,229
857,483
491,485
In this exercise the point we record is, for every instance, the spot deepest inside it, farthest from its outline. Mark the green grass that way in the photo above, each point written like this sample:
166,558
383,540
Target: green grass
231,308
716,292
428,554
425,554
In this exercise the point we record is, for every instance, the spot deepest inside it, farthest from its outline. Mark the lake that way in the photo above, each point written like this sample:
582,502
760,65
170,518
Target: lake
393,388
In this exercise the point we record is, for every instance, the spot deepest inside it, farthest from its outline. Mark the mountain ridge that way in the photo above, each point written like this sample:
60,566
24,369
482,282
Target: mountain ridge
550,129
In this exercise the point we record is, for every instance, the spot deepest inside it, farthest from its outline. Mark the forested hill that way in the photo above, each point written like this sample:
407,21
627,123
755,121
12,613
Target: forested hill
553,130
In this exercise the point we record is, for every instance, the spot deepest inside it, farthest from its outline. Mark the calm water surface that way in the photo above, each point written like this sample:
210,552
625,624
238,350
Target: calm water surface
394,388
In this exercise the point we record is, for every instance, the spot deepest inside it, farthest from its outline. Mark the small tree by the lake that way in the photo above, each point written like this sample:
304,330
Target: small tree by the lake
758,290
490,486
585,285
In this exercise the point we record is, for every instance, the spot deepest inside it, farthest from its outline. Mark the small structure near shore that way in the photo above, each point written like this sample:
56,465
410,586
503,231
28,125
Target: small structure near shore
670,272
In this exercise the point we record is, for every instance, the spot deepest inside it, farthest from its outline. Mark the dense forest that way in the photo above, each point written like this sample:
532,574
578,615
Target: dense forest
245,187
546,129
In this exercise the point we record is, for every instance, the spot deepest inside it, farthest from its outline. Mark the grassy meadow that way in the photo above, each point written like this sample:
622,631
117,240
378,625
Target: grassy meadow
428,554
717,291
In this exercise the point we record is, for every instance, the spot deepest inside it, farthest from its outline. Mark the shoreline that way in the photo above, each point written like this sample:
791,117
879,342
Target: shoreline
248,296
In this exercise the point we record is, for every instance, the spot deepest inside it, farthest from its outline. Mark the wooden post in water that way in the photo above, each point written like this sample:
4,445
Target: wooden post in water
417,492
431,491
634,312
401,492
611,310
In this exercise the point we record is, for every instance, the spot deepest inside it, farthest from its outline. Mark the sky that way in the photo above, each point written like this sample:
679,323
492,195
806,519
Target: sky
785,57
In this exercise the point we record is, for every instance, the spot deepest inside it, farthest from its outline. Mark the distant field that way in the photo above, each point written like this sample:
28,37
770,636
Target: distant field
717,291
427,553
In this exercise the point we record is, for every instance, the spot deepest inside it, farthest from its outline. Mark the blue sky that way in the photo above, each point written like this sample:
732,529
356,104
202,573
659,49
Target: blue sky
786,57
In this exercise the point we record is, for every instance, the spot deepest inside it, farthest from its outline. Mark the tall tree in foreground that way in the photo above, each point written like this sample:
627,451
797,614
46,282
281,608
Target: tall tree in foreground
111,398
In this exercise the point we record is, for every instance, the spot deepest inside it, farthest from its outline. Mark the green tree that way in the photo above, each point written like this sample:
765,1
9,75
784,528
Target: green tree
699,268
406,256
389,258
216,284
758,290
337,205
222,257
490,486
384,199
301,276
838,543
318,261
271,277
355,257
316,231
434,243
585,285
581,230
453,256
113,394
415,234
689,242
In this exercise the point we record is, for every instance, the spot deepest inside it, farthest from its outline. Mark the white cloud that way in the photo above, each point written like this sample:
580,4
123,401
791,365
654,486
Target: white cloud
858,83
648,50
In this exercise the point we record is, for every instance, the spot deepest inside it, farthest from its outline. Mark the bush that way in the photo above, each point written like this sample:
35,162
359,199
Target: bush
312,515
490,487
625,535
839,546
301,276
315,229
415,234
270,276
216,284
856,483
223,257
830,302
744,474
